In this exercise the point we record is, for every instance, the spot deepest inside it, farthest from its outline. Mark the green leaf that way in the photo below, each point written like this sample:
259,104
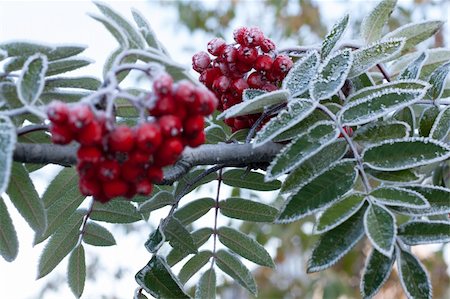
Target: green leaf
249,180
157,279
302,148
9,245
415,33
206,287
7,145
60,244
396,196
247,210
107,67
297,110
53,52
76,273
251,93
373,24
398,154
68,96
245,246
381,130
413,276
437,80
339,212
182,187
85,82
381,228
412,71
377,103
64,184
333,37
159,200
115,211
298,78
424,232
194,210
97,235
179,237
215,134
320,192
301,127
427,119
406,115
331,75
314,166
32,79
25,198
155,240
441,127
377,269
144,26
403,176
114,29
200,237
381,51
437,197
334,244
256,104
231,265
194,265
66,65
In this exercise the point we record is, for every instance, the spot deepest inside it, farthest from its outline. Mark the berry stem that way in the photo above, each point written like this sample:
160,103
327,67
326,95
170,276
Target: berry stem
216,215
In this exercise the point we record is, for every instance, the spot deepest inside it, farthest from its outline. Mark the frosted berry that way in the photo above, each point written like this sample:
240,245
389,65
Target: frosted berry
131,172
216,46
200,61
58,112
247,55
170,125
108,170
209,75
121,139
144,187
61,134
197,140
163,84
194,125
282,64
221,84
263,63
267,45
164,105
254,37
90,134
89,187
169,152
240,34
80,116
148,137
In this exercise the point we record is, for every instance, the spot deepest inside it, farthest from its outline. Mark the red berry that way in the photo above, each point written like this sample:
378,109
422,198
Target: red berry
240,34
240,123
209,75
115,188
193,125
163,84
131,172
108,170
200,61
138,156
80,116
144,187
86,170
169,152
269,87
254,37
206,102
238,86
185,92
229,54
247,55
148,137
121,139
89,154
164,105
267,45
243,68
61,134
255,80
155,174
347,130
170,125
263,63
91,134
216,46
197,140
58,112
89,187
221,84
229,121
282,64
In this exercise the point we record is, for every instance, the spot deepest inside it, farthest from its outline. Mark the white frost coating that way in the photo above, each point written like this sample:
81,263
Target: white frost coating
332,38
399,203
40,81
441,122
369,126
362,282
414,67
372,25
437,55
411,165
437,80
250,93
271,176
378,52
400,274
335,79
8,132
388,252
113,28
3,54
299,76
426,240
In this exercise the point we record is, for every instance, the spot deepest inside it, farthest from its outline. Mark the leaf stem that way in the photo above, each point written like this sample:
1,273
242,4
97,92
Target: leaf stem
384,72
32,128
216,215
85,219
264,115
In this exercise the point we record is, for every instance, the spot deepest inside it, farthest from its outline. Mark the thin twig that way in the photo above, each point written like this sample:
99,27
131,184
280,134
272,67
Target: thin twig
32,128
216,215
85,219
264,115
384,72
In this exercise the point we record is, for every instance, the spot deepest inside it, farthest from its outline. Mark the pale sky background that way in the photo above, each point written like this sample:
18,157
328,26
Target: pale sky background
67,22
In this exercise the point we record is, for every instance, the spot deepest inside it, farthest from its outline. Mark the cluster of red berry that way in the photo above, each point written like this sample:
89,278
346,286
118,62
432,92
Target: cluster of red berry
118,160
231,71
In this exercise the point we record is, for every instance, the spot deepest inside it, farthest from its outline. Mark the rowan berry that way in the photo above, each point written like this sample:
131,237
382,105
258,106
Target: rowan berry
148,137
170,125
58,112
61,134
115,188
121,139
200,61
80,116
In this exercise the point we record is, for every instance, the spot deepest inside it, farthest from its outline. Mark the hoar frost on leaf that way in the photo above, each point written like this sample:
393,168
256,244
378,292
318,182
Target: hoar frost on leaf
7,145
251,93
333,37
437,197
436,57
299,77
441,127
396,196
32,79
381,130
437,80
418,232
377,270
381,228
372,25
412,71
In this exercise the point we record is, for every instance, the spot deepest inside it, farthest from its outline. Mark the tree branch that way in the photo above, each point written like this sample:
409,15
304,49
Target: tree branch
227,154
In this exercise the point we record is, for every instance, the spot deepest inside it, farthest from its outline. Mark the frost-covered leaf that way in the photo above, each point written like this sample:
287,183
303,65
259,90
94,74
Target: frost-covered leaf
157,279
339,212
179,237
377,269
3,54
66,65
320,192
297,110
437,80
398,154
424,232
159,200
415,33
247,210
256,104
413,276
76,272
245,246
381,228
427,119
331,75
97,235
215,134
155,240
115,211
146,29
366,58
114,29
381,130
206,287
60,244
437,197
7,145
377,103
249,180
406,115
302,148
251,93
25,198
9,245
69,96
302,126
396,196
200,237
441,127
412,71
333,37
194,210
32,79
231,265
109,63
373,24
405,175
314,166
334,244
301,73
361,81
194,265
53,52
85,82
